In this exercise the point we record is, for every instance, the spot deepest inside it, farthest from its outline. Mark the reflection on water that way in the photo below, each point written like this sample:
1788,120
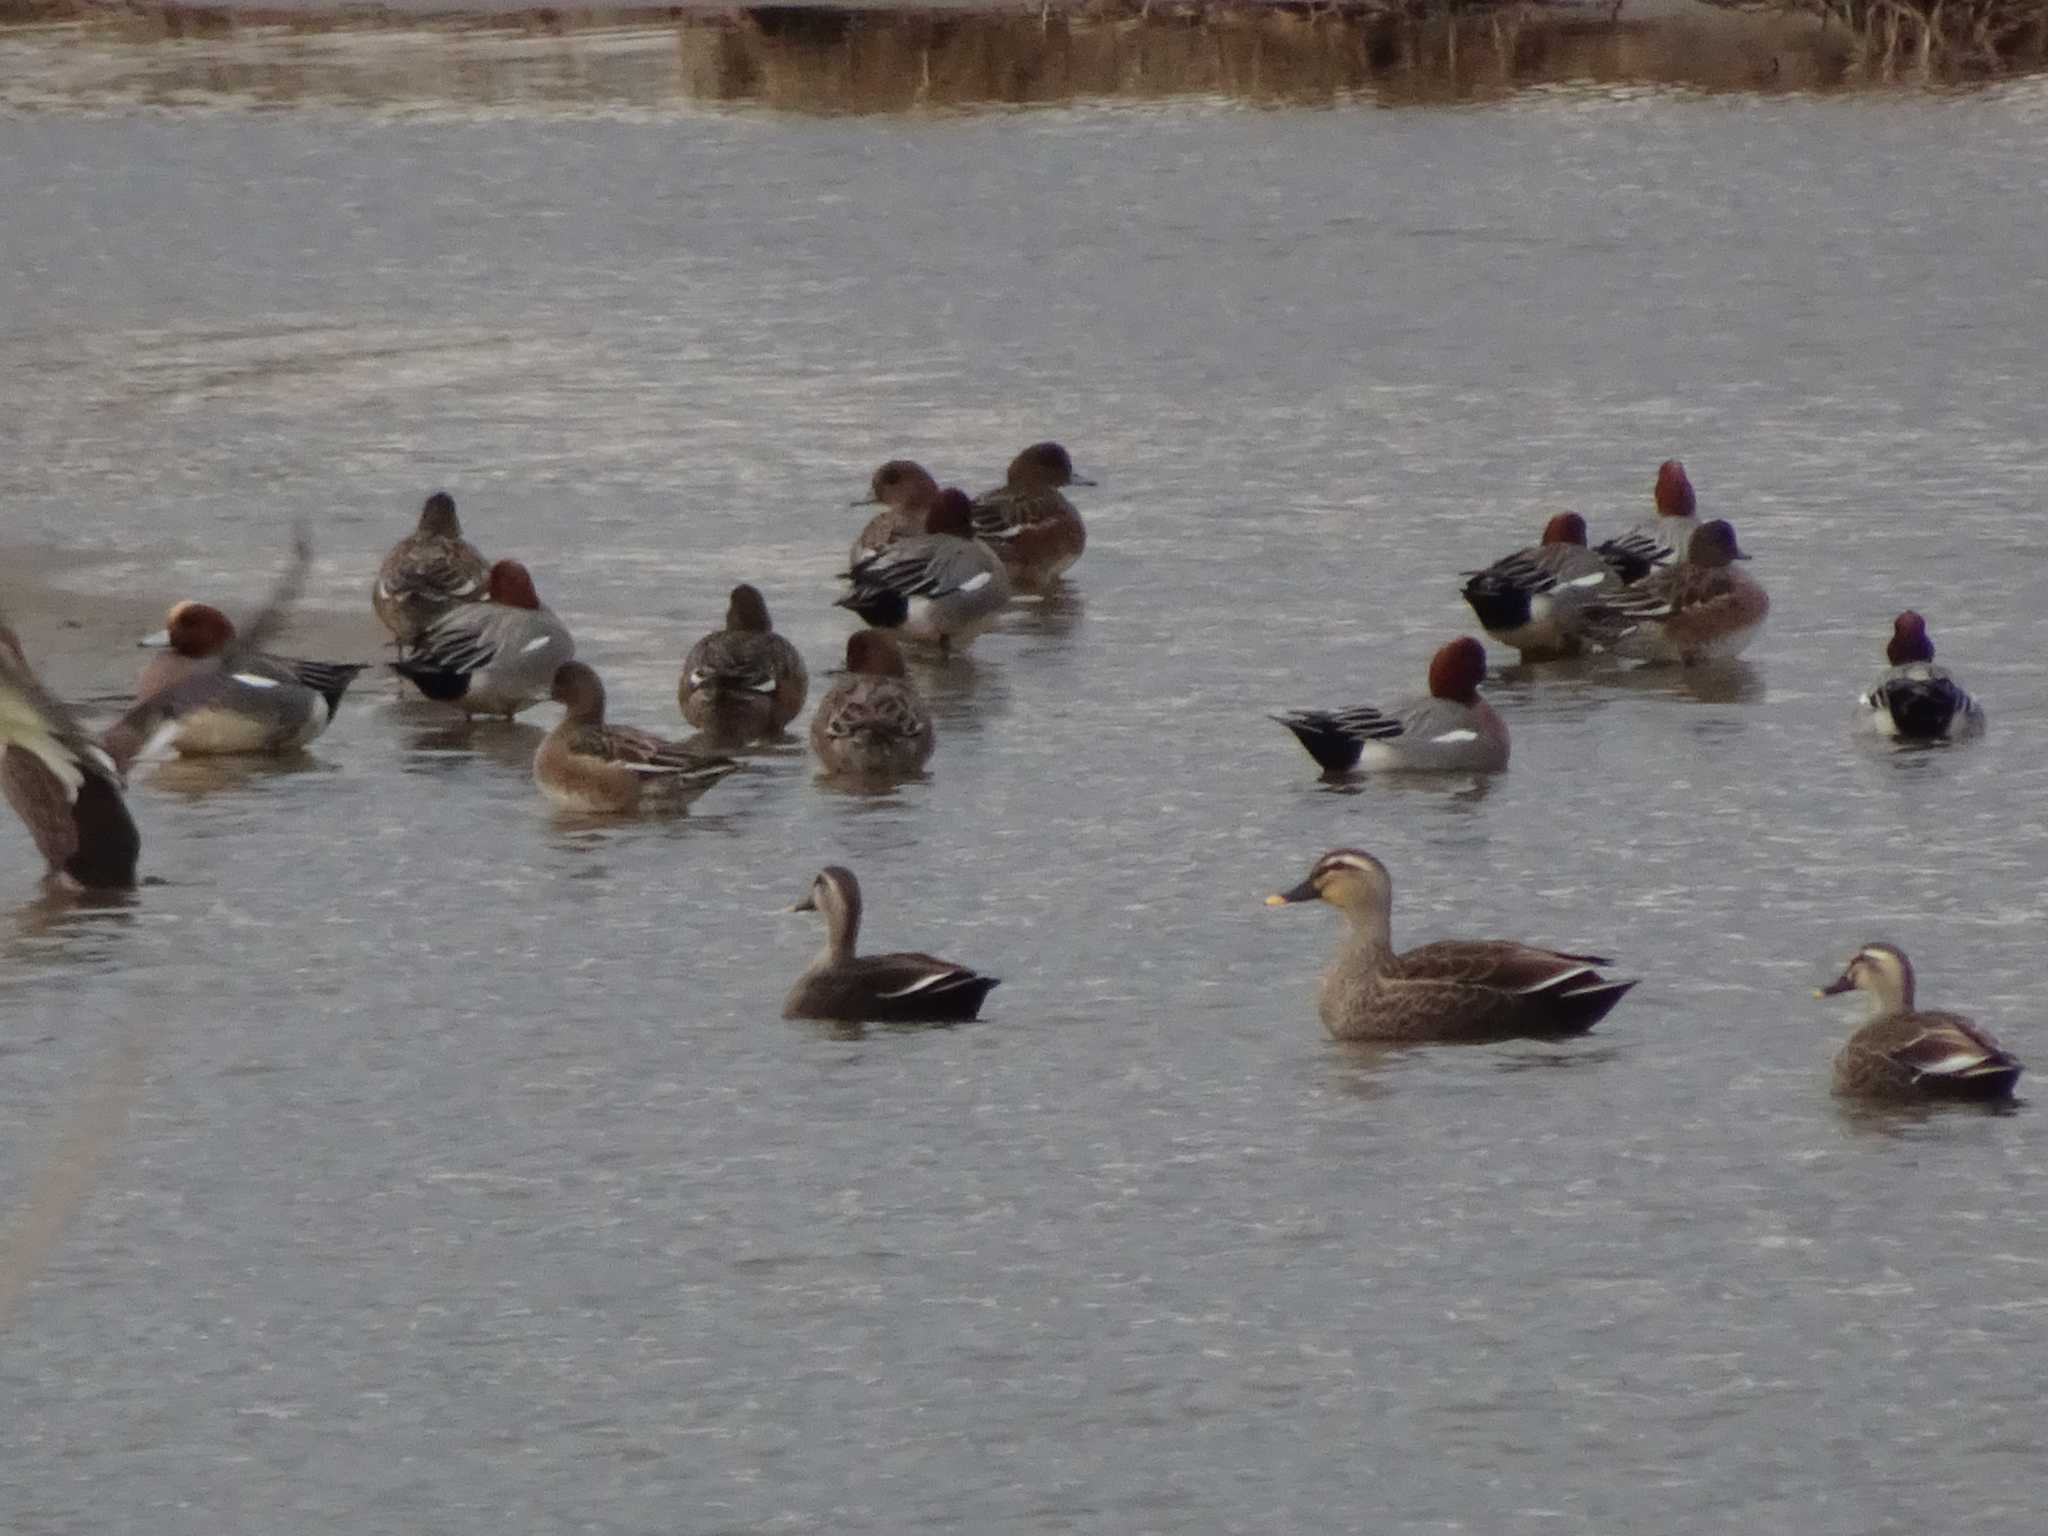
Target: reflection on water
836,60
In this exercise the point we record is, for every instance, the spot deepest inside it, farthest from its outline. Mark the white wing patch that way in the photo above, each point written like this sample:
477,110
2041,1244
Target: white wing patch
1591,579
535,643
254,680
1461,734
975,582
1948,1066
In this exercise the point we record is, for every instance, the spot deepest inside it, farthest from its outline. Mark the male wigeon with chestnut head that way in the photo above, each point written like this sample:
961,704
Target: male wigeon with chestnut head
1916,700
494,657
1451,728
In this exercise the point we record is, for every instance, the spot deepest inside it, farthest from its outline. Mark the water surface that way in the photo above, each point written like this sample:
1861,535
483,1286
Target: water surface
432,1163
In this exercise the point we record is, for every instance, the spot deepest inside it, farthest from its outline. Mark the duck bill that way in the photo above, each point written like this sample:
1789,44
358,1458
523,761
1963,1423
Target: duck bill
1836,987
1084,480
159,641
866,501
806,905
1306,891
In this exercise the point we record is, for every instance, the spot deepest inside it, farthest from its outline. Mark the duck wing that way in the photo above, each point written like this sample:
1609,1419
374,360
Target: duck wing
915,987
655,756
1923,702
1497,988
884,709
64,785
1952,1049
1006,514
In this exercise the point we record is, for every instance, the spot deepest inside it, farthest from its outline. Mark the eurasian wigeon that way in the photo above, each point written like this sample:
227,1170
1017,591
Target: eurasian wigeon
943,585
1664,539
904,988
585,765
1531,600
871,723
428,572
1702,609
1916,700
213,697
1029,522
1451,990
494,657
743,682
1449,728
905,491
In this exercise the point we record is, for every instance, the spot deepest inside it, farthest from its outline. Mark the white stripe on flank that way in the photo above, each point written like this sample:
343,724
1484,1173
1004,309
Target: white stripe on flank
252,680
922,984
1461,734
1592,579
535,643
975,582
1560,979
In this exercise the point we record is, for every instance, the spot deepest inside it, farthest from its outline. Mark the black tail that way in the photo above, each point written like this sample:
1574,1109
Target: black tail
952,1003
1629,564
108,843
329,679
438,684
1335,751
1499,605
881,608
1922,708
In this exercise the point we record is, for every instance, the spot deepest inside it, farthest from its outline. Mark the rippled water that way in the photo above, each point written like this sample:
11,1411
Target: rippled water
434,1164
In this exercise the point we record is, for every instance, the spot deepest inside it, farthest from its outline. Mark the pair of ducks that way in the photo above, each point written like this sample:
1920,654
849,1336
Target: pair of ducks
1494,989
940,566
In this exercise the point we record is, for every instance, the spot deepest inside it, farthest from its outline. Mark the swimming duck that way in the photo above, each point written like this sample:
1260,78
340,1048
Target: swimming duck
1903,1052
494,657
63,785
428,572
942,585
744,681
1702,609
1449,728
213,704
1531,599
871,723
586,765
907,988
1665,538
1028,522
905,491
1916,700
1451,990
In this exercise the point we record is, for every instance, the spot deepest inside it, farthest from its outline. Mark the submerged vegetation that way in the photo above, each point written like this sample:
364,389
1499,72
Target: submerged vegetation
809,58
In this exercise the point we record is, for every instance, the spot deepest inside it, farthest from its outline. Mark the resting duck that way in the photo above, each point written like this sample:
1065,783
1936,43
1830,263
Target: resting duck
1665,538
61,783
1907,1053
585,765
745,681
942,585
871,723
1531,600
212,703
1029,523
1451,990
905,491
495,657
907,988
428,572
1702,609
1450,728
1916,700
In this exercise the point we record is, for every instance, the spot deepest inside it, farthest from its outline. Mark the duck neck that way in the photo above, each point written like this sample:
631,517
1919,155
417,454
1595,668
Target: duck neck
1368,936
842,928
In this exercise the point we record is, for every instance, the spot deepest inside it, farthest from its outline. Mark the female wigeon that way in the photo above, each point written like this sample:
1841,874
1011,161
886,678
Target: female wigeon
1916,700
1664,539
744,681
1531,600
1029,522
943,585
495,657
1908,1053
1449,728
1451,990
209,702
905,491
428,572
904,988
62,784
871,723
585,765
1702,609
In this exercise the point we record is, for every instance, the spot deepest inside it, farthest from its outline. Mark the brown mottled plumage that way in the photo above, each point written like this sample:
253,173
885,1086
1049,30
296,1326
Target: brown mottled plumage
1903,1053
1029,522
871,723
744,681
583,764
1452,990
428,572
